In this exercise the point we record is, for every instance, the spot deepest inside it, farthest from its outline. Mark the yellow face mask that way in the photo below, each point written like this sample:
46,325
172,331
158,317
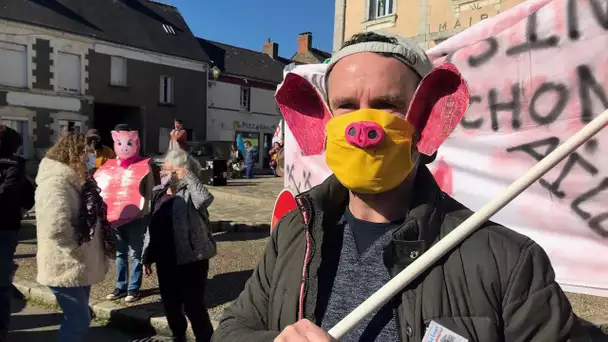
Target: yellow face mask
369,150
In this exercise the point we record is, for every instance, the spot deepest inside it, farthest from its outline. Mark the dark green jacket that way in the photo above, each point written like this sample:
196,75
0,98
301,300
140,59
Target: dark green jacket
497,285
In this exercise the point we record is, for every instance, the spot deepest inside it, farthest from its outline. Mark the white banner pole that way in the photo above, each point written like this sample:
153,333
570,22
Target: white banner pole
401,280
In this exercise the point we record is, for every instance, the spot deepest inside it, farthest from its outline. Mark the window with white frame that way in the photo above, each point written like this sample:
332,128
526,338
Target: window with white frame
166,89
380,8
245,98
22,127
118,71
67,72
13,65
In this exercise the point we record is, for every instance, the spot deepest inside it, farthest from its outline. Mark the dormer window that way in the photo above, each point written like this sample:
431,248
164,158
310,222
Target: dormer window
169,29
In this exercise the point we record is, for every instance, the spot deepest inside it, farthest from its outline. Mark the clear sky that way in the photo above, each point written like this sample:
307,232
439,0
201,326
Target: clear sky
248,23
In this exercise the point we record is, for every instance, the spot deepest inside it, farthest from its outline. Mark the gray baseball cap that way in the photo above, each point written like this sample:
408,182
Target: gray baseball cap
93,133
406,50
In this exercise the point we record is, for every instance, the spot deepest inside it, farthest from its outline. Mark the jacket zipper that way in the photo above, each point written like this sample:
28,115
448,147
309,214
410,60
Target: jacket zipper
399,332
303,283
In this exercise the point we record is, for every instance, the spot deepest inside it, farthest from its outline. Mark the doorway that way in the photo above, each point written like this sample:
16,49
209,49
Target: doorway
267,147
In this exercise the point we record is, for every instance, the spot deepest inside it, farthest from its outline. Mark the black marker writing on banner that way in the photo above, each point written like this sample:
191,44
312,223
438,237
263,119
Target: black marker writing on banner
591,96
298,186
572,20
595,223
472,123
532,39
541,148
589,91
562,99
587,84
306,177
291,178
600,14
513,106
476,61
533,42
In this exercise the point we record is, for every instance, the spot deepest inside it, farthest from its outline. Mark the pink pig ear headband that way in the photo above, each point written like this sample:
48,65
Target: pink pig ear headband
440,101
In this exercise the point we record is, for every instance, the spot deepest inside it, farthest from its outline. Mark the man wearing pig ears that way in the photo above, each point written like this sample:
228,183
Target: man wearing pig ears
378,212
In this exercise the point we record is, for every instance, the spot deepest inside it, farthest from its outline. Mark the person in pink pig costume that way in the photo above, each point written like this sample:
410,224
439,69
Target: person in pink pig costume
126,184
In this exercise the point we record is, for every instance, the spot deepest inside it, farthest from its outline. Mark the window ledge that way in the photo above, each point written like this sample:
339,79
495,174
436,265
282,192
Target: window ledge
161,104
10,87
380,23
118,86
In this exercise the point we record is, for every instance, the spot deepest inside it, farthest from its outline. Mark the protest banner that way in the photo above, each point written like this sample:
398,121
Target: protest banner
537,74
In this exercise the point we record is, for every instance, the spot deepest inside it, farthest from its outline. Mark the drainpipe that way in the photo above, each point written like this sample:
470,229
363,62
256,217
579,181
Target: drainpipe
339,24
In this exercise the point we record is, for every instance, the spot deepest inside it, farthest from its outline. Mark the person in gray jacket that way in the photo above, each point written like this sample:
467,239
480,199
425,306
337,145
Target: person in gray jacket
179,241
378,212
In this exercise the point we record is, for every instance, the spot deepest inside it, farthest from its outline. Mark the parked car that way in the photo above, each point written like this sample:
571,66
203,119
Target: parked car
203,151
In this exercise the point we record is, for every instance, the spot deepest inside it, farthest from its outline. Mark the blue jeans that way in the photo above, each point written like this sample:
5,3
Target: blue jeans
8,244
74,302
249,170
129,242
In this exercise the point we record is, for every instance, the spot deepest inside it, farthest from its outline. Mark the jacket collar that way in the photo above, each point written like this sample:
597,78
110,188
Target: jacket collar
12,160
424,216
50,168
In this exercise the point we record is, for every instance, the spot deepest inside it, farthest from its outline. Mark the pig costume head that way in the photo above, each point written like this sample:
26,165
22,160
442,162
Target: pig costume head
126,142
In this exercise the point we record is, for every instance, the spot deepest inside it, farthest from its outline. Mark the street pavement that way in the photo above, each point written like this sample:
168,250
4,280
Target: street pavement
30,323
261,191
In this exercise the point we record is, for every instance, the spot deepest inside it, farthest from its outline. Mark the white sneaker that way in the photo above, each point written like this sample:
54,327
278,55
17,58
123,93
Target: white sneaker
132,296
117,294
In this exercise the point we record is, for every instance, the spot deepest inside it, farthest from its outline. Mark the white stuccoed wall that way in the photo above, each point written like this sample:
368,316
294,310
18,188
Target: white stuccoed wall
225,116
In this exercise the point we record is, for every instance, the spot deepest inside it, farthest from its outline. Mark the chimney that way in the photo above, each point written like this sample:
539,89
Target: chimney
271,49
304,42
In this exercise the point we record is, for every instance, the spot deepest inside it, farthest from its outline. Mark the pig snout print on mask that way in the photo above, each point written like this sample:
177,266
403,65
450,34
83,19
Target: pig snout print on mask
364,134
369,150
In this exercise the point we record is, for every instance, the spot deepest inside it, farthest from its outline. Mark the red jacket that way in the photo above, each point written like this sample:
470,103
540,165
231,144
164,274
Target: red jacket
180,136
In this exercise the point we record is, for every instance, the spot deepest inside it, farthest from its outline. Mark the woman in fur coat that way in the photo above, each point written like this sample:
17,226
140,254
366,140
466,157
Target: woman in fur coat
74,237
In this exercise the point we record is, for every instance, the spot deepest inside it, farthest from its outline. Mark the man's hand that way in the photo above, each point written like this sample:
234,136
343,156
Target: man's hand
147,269
303,331
180,172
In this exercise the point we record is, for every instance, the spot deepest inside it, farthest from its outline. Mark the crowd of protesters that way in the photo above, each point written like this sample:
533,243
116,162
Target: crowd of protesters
75,240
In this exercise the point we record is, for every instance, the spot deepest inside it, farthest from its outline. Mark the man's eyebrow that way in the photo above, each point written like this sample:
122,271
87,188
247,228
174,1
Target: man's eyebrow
389,98
343,99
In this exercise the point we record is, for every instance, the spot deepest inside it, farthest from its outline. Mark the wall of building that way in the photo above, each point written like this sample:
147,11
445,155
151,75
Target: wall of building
426,21
142,92
52,106
226,118
37,107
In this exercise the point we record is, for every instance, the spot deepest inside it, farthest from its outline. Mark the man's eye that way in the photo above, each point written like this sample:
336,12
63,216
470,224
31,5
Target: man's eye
385,106
347,106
